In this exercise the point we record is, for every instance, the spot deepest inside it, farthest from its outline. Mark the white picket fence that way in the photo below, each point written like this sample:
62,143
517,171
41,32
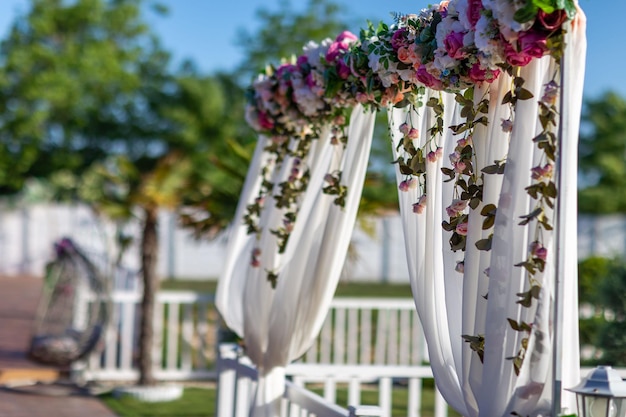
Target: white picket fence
357,331
364,342
370,331
185,329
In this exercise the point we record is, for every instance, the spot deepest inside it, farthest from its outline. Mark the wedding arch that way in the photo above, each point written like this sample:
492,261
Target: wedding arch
484,99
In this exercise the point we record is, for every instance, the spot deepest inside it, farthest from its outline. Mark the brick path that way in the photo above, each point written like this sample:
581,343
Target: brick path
18,301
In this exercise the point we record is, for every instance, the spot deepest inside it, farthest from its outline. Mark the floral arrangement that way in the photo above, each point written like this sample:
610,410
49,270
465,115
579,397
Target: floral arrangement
453,46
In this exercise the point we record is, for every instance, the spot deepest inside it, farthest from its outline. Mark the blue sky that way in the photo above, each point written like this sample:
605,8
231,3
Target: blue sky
206,30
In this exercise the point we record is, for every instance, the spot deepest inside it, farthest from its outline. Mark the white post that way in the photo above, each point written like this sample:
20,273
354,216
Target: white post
227,377
384,396
415,397
441,407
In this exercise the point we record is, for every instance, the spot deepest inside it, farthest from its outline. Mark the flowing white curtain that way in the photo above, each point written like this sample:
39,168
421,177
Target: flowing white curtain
479,300
279,324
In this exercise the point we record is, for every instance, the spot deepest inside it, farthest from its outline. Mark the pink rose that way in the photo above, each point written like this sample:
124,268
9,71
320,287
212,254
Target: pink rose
460,167
461,229
458,205
454,45
407,185
334,50
463,142
302,59
343,70
427,78
537,250
477,73
413,133
539,173
404,128
265,121
474,8
364,97
398,39
346,37
531,44
551,21
413,56
310,81
285,69
341,44
515,58
434,156
420,206
403,55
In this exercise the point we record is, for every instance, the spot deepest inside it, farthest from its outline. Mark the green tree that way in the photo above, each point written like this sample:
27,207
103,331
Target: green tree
603,155
284,32
68,86
591,274
611,336
89,101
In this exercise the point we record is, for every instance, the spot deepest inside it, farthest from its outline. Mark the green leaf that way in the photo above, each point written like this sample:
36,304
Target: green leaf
548,6
489,210
457,242
526,14
524,94
484,244
508,97
570,9
535,291
489,222
529,266
514,325
474,202
405,169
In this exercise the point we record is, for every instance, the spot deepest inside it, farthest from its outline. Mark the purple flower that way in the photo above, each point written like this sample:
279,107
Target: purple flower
454,45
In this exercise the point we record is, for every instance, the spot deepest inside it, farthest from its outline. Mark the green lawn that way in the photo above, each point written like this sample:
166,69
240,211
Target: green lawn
200,402
196,402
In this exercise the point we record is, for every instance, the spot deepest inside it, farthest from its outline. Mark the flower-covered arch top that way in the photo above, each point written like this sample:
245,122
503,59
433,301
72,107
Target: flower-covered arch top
477,95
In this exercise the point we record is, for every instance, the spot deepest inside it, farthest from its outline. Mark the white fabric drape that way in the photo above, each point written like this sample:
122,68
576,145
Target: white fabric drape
279,325
479,301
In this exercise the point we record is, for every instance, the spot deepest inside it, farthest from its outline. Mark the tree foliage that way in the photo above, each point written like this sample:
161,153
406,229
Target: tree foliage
284,32
603,155
611,336
89,101
68,86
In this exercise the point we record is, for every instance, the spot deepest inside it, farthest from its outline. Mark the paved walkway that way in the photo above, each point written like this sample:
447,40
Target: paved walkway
19,297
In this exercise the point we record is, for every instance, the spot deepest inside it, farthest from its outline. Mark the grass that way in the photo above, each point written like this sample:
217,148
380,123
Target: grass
195,402
344,289
200,402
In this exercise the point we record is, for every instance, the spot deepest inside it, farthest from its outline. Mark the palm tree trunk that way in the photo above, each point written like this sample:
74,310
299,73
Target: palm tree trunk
149,254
